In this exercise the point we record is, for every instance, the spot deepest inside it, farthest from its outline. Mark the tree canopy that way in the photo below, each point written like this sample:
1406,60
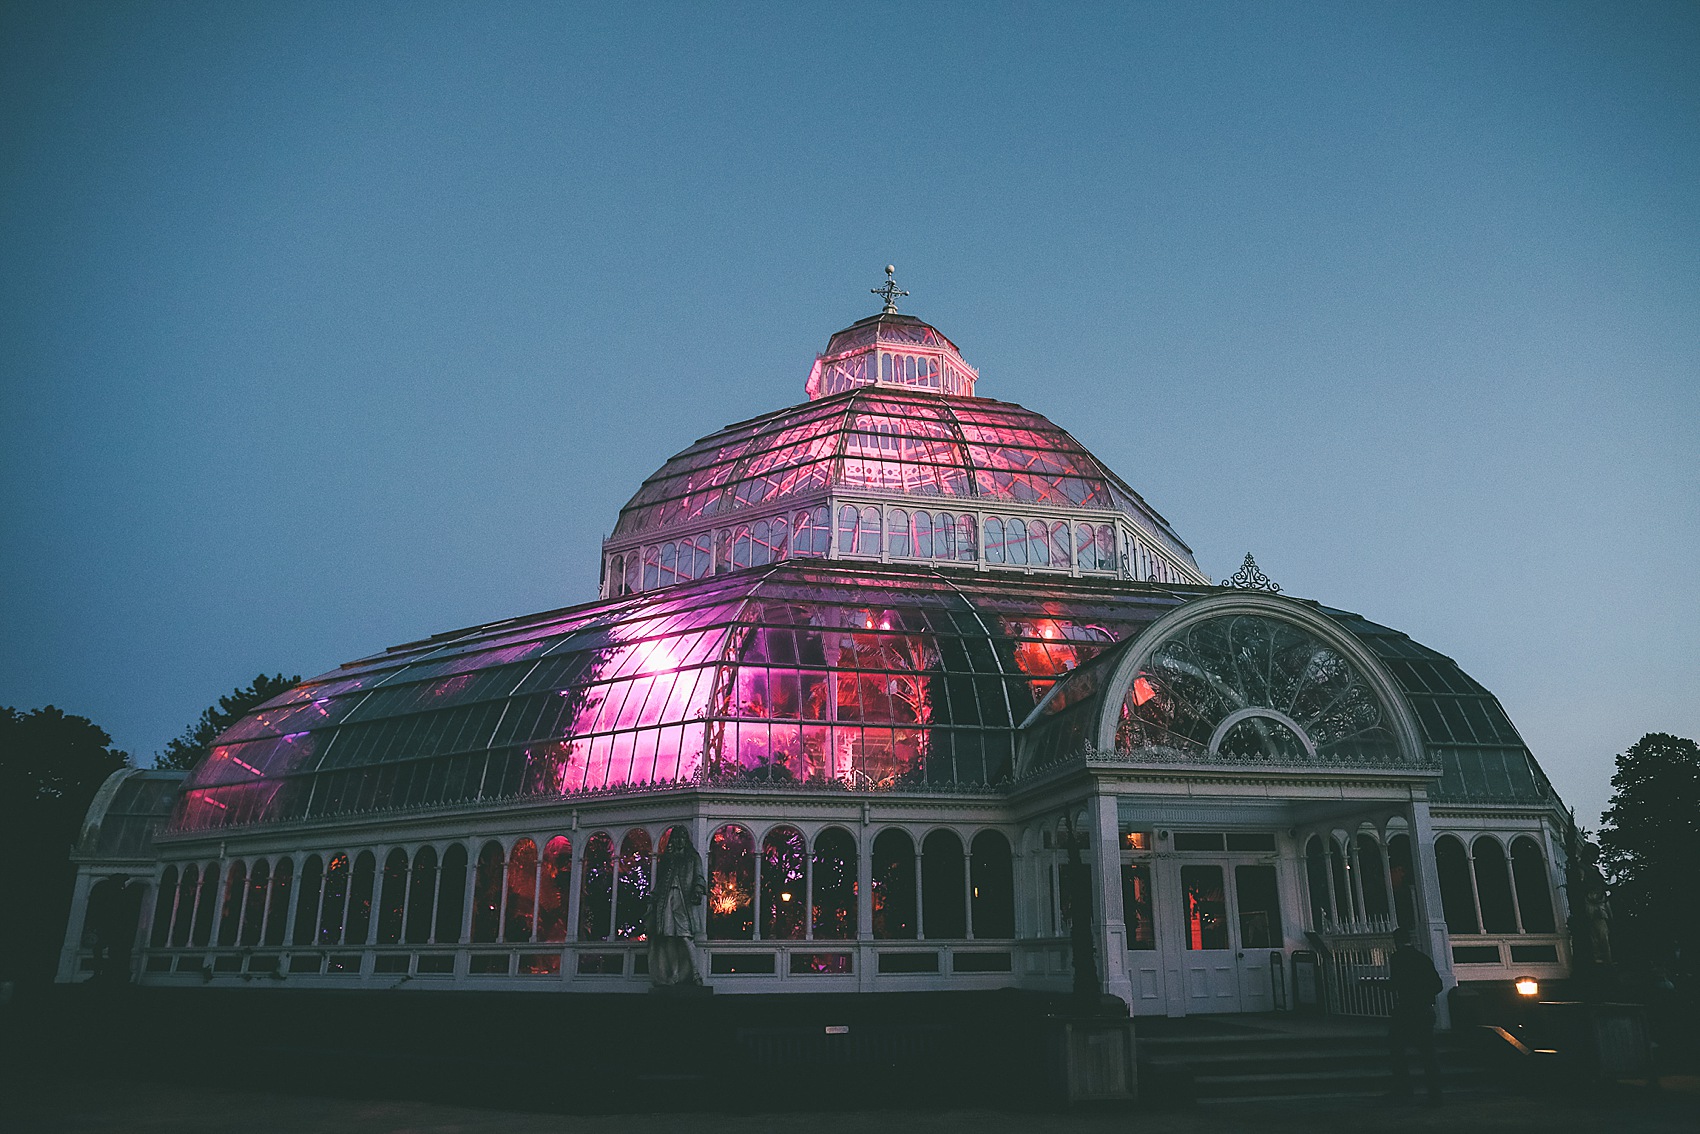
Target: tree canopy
1650,847
186,749
51,765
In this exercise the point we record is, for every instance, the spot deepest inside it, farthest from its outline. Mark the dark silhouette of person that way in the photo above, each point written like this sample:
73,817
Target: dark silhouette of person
1415,985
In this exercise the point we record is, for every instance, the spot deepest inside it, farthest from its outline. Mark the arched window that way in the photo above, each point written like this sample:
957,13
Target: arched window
1457,895
360,898
333,907
487,894
868,539
1345,901
307,901
634,572
1534,893
761,547
992,878
784,885
1372,879
901,540
967,547
669,563
184,921
1493,887
392,897
834,866
230,917
206,904
994,540
254,907
553,886
451,896
778,539
1038,543
923,535
741,554
651,568
634,883
596,890
944,536
1316,874
847,522
421,895
944,890
731,884
522,891
163,904
1085,547
277,916
1015,541
1059,544
893,865
813,533
1404,879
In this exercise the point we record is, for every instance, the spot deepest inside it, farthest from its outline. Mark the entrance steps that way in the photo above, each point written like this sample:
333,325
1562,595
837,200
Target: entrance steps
1245,1060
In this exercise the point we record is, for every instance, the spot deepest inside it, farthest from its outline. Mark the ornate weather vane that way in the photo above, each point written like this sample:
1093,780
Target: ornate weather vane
889,292
1250,578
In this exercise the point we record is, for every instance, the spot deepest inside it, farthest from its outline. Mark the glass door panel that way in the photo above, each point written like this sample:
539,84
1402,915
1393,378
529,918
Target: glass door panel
1205,908
1259,907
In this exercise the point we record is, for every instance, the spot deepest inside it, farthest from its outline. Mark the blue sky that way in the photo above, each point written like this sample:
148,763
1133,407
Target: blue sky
327,326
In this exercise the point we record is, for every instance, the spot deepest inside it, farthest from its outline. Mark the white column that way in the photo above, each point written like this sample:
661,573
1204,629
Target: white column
71,949
1430,916
1112,920
1511,880
1387,876
294,902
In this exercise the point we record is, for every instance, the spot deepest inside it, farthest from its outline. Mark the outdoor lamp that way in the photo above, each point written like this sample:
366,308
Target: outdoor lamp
1528,986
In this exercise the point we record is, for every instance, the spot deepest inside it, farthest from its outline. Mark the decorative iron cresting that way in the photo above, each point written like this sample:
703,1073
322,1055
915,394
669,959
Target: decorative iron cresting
1251,578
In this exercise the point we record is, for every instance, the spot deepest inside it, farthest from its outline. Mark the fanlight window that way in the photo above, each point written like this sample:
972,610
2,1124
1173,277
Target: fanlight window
1247,688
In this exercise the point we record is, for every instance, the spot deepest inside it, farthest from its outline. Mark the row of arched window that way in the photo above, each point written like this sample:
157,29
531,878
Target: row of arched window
863,531
789,891
1484,890
808,534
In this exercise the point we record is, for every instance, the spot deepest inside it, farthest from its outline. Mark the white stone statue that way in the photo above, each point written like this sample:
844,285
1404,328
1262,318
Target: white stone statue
675,916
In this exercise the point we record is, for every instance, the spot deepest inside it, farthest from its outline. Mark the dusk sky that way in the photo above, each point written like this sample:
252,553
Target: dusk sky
324,327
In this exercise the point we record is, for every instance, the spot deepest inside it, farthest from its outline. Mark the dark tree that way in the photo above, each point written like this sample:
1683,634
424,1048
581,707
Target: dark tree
1650,850
185,751
50,767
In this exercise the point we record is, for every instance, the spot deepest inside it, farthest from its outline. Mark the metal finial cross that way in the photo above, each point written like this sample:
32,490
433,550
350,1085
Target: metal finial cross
889,292
1251,578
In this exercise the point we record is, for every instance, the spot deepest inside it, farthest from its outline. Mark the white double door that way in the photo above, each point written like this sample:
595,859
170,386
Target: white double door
1217,920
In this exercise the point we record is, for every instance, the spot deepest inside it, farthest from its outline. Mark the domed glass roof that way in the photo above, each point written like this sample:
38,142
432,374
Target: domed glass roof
803,672
883,440
806,673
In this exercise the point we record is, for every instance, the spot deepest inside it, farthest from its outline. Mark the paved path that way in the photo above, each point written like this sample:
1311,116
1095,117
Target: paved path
118,1106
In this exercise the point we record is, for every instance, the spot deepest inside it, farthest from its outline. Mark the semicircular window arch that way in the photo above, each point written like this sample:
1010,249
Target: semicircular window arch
1247,688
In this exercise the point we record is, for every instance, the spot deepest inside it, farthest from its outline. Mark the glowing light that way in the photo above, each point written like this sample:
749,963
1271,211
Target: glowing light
1136,840
1143,691
1528,986
725,897
785,896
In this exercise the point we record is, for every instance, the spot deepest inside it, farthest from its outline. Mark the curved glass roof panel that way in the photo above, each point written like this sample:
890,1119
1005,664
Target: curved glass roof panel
803,673
885,440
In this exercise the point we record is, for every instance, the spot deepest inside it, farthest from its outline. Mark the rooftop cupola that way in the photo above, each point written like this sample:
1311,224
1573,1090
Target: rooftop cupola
890,349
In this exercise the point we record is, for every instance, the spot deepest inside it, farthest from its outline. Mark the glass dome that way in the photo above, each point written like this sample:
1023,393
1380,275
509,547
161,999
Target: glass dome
892,431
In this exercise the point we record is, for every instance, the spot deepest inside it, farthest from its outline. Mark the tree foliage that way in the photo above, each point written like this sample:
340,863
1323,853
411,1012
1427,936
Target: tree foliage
1650,848
187,749
51,765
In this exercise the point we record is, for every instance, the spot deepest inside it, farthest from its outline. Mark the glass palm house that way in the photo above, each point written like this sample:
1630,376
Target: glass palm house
925,683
